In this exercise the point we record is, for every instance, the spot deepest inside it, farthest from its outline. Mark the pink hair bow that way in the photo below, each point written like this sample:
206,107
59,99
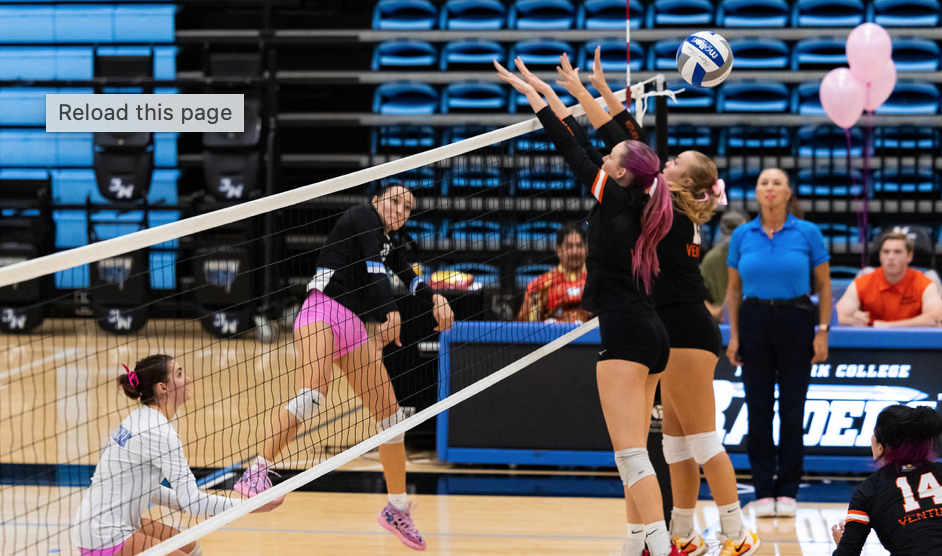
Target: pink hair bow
132,376
719,189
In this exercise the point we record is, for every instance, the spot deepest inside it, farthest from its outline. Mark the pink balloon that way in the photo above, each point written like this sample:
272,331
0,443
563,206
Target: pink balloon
842,97
868,50
881,87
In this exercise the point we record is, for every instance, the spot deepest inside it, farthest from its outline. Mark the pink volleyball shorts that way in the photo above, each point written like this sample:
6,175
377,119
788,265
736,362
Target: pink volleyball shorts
101,551
349,331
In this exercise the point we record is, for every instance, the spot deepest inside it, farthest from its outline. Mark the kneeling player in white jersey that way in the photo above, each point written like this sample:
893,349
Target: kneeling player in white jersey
141,453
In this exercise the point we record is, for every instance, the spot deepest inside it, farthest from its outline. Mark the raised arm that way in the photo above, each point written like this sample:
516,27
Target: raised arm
544,88
597,78
569,79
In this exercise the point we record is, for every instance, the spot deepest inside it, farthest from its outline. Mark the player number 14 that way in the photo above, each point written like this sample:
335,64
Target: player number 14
928,486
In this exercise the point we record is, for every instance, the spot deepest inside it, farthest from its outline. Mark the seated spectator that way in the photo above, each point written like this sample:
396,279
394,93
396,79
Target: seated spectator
894,294
713,268
556,296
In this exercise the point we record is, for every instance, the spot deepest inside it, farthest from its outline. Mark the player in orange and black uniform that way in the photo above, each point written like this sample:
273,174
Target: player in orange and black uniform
556,296
902,501
690,438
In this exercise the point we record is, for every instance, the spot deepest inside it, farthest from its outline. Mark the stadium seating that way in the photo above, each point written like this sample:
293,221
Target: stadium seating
405,15
760,53
543,14
912,54
912,97
690,13
904,13
473,14
405,56
752,13
758,96
610,14
828,13
405,98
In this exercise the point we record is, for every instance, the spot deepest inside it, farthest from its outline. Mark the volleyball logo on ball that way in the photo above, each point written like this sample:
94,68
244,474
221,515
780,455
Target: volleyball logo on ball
704,59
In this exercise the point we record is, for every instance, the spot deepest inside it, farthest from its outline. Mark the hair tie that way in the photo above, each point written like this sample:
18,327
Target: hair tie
132,376
719,189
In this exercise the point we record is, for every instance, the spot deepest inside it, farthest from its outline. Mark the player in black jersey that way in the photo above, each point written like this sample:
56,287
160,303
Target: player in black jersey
689,425
902,501
632,215
351,290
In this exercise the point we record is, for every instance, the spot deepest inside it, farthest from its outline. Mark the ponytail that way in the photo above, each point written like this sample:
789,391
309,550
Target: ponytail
658,214
909,435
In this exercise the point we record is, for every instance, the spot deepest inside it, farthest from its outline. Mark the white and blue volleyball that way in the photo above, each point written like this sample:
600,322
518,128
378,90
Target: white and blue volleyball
704,59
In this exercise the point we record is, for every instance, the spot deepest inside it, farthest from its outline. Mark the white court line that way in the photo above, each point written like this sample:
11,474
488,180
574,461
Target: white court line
43,361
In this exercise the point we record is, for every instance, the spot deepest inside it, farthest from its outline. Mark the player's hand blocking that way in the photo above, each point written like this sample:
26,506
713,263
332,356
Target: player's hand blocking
389,330
569,76
442,312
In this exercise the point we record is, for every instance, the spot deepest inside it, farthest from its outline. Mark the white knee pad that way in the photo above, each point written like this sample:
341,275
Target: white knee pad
306,405
197,550
675,449
633,465
704,446
387,423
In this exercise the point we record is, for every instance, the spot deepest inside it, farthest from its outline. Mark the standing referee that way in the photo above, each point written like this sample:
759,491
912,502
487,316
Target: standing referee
776,333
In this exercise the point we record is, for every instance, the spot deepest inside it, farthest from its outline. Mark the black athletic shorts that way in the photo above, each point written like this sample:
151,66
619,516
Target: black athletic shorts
691,326
633,337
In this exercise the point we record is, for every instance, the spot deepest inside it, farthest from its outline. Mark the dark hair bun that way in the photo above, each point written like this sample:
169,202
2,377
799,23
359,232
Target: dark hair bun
129,389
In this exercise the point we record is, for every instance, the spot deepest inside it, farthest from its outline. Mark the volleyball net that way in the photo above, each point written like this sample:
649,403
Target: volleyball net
220,290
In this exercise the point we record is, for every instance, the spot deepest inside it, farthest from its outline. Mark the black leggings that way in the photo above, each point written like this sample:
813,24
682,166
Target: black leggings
691,326
636,338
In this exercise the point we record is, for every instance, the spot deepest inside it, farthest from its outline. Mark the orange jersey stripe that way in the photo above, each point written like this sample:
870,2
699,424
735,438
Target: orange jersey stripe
598,187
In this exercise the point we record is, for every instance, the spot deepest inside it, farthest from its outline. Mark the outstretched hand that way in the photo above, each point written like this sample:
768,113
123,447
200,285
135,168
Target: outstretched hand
568,76
597,78
538,84
514,81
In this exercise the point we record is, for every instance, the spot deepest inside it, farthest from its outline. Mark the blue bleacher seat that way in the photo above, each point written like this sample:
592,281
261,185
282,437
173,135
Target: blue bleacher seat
405,14
905,13
405,98
828,13
473,14
829,182
693,97
404,56
541,53
911,97
420,179
905,180
525,274
73,230
758,96
74,187
841,238
35,148
906,137
741,184
828,140
27,24
689,137
402,137
612,55
476,235
27,107
819,53
762,139
539,176
485,275
423,232
914,54
46,63
806,99
680,12
474,97
760,53
662,55
543,14
521,104
610,14
153,23
457,133
465,175
752,13
536,236
472,54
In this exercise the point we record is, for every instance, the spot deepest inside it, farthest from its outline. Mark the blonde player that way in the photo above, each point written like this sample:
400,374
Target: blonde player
142,452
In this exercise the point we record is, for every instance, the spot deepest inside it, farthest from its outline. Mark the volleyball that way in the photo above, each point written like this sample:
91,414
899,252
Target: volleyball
704,59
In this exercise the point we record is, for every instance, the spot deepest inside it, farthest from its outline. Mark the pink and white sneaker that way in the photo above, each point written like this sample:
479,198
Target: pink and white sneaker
399,523
254,481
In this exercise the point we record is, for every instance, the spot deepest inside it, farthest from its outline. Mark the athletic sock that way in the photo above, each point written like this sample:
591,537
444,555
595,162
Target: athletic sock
682,522
634,542
731,520
657,538
398,501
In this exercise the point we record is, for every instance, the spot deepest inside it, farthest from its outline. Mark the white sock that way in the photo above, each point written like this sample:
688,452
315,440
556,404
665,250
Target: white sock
261,462
634,542
682,522
657,538
398,501
731,520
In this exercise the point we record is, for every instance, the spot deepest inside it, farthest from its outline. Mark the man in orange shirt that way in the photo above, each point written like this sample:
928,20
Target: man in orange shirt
894,294
556,296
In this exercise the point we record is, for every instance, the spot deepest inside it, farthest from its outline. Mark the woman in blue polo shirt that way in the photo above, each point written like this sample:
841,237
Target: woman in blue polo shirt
776,333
